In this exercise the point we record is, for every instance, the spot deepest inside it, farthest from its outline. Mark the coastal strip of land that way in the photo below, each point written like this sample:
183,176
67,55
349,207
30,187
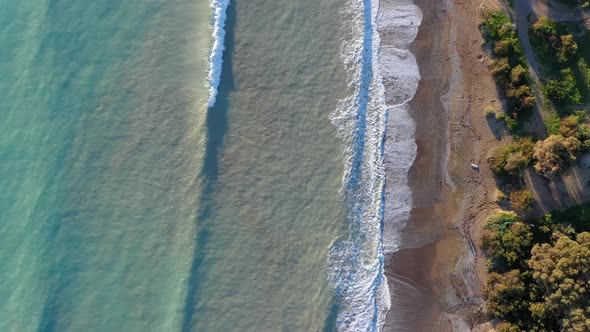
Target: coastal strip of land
434,280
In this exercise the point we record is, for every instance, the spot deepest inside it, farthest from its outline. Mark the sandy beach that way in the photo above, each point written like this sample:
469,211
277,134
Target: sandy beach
434,280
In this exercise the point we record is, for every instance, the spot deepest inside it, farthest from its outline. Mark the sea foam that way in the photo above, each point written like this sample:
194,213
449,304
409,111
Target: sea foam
379,139
399,20
219,10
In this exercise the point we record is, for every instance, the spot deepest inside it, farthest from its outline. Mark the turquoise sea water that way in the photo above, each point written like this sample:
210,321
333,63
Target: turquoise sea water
128,205
100,142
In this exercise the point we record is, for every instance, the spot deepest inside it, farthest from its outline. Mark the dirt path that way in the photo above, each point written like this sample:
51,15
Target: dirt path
521,14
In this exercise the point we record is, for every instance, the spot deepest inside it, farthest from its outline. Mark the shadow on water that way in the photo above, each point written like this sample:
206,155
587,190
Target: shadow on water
216,124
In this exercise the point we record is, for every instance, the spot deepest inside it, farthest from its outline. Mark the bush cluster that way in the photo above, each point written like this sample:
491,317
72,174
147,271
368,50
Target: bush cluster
575,125
538,275
508,67
522,200
555,154
551,157
565,67
564,90
553,43
585,71
511,159
504,240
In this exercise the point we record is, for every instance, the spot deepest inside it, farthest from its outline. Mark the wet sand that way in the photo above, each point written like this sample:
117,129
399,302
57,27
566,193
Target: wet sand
434,281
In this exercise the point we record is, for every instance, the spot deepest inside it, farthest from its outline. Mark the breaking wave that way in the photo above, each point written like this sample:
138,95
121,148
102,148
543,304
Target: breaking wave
379,139
219,9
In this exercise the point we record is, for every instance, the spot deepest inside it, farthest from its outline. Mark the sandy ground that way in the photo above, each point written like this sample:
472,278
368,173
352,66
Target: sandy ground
435,286
436,281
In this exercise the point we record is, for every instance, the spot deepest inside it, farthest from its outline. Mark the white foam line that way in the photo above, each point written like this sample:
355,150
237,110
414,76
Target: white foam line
356,265
219,9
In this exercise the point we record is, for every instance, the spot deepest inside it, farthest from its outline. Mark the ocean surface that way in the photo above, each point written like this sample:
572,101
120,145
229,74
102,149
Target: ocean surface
191,165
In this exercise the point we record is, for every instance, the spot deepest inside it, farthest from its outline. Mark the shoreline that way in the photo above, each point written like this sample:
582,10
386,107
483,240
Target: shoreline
435,278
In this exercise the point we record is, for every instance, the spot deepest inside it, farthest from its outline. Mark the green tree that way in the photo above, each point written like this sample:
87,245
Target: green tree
545,27
575,125
564,90
505,239
584,71
500,70
523,95
497,26
567,48
504,47
506,294
570,127
555,154
497,158
507,327
561,271
522,200
518,74
511,159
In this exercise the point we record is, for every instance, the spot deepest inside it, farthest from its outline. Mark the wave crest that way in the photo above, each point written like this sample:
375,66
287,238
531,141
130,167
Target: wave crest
383,77
219,10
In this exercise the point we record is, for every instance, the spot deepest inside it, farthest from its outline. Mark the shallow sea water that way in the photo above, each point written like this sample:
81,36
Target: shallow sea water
128,205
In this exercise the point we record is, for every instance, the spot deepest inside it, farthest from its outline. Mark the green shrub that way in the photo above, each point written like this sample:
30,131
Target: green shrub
489,111
545,27
568,78
505,294
522,200
505,239
555,154
518,74
561,272
585,72
566,49
553,123
497,160
539,275
501,70
523,95
564,90
553,44
500,196
509,67
511,159
575,125
507,327
497,26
